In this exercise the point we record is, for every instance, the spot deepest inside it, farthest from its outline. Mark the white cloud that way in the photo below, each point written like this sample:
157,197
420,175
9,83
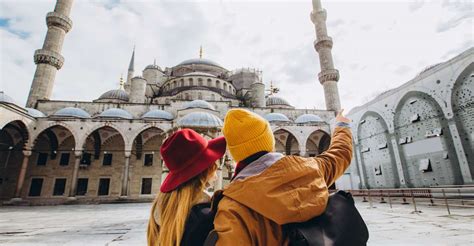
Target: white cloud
377,45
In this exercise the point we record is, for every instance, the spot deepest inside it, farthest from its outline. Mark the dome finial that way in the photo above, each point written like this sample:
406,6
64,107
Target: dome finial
121,82
273,89
200,52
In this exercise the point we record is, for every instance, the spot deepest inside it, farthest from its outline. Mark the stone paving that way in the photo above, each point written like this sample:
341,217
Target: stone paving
125,224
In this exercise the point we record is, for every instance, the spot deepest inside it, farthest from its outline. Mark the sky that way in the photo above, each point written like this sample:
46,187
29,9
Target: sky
378,45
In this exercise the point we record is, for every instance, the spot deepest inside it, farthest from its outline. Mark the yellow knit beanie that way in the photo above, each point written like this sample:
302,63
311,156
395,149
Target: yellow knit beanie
247,133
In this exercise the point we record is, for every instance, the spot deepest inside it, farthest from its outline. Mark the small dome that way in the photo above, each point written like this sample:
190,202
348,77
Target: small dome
158,114
199,104
116,113
199,61
200,74
118,94
308,118
35,113
5,98
277,101
276,117
72,112
200,119
153,66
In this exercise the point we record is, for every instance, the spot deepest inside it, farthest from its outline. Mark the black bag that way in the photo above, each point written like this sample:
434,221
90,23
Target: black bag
340,224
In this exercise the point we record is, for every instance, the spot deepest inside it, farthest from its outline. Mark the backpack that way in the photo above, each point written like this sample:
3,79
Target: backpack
340,224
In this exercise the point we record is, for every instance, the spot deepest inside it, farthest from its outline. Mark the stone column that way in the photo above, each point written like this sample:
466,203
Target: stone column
462,159
125,175
402,173
302,150
360,165
21,176
75,172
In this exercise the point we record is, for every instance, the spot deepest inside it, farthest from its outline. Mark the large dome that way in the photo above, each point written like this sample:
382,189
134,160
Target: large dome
158,114
118,94
199,104
200,120
277,101
199,74
276,117
308,118
72,112
116,113
199,61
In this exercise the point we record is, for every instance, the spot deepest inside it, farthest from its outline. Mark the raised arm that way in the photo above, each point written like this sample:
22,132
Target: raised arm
334,161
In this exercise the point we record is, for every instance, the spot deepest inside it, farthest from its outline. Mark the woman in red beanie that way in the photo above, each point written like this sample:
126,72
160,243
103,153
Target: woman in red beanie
180,214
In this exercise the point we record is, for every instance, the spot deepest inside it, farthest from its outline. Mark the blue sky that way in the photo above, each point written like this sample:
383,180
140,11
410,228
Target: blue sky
378,45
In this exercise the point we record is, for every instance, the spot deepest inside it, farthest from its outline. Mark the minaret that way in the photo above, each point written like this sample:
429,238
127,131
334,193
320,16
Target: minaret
131,68
49,60
328,76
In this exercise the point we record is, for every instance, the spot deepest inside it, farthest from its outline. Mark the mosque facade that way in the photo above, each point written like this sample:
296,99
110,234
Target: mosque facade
107,149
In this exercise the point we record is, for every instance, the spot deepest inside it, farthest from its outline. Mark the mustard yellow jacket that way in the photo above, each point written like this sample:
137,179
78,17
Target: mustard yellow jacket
293,189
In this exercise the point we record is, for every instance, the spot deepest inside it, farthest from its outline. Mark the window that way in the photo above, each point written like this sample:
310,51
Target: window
64,161
59,187
425,166
146,186
82,187
36,186
200,82
200,95
86,159
42,159
107,161
378,170
148,160
104,187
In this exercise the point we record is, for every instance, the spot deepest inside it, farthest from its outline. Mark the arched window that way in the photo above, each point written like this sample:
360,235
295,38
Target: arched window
191,83
182,82
218,84
200,95
209,82
200,82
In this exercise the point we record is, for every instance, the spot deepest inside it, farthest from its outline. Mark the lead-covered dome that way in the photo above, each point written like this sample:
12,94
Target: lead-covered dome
199,61
35,113
116,113
199,104
276,117
153,66
200,120
199,74
273,101
308,118
118,94
158,114
72,112
5,98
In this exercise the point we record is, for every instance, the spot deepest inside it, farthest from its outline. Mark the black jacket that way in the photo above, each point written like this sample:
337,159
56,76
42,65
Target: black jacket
198,225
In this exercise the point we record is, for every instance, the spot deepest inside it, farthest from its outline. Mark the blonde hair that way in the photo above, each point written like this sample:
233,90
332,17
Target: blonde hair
173,209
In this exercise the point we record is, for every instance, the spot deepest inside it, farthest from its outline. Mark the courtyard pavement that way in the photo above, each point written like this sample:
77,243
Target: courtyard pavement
125,224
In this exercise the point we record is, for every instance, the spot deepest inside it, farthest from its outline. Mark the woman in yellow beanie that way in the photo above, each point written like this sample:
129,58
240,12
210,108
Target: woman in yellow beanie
270,189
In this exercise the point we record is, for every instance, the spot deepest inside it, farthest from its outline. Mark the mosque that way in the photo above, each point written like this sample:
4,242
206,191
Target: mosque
61,151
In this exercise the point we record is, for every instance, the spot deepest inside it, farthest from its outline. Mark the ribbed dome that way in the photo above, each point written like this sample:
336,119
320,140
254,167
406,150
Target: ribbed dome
72,112
118,94
308,118
158,114
116,113
153,66
199,104
200,74
276,117
5,98
199,61
274,101
35,113
201,120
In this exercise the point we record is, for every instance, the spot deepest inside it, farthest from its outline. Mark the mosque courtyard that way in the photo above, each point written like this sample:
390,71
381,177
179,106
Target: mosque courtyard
125,224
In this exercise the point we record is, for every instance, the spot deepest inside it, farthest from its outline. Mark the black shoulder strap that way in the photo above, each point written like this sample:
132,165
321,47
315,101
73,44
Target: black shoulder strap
211,239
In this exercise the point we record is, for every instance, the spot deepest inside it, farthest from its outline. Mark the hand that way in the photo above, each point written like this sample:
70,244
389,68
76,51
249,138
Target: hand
341,118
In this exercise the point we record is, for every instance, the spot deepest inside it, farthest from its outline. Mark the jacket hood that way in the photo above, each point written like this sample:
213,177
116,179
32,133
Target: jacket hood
283,189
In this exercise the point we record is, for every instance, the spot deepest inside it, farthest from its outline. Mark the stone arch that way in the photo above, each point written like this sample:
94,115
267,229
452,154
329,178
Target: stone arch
81,142
141,139
13,140
462,104
426,151
317,142
52,125
102,136
377,157
286,142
